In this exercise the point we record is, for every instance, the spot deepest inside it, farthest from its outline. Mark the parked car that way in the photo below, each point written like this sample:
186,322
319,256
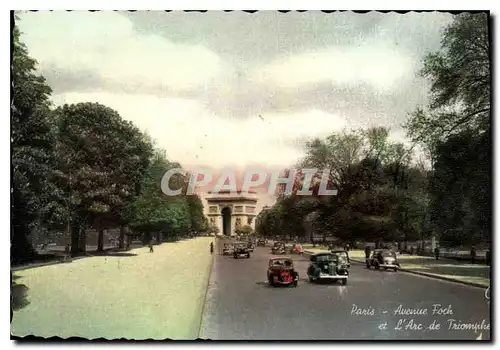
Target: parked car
261,243
343,257
228,249
282,272
383,258
241,251
327,266
278,248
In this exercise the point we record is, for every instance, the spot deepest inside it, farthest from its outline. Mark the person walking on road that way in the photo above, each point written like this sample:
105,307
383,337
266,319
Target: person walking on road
436,253
473,254
367,255
211,247
66,250
151,250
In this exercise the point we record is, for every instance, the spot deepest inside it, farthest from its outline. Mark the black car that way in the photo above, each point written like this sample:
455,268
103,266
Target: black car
383,258
250,246
241,250
228,249
261,243
278,248
327,266
343,257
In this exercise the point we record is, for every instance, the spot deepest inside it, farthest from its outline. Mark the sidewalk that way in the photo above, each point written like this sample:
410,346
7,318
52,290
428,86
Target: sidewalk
136,295
446,269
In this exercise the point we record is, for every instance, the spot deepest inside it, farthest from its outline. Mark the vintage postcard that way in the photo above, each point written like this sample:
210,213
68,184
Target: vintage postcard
264,175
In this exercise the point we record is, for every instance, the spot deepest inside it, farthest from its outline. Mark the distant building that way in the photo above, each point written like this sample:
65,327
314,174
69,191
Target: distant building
228,210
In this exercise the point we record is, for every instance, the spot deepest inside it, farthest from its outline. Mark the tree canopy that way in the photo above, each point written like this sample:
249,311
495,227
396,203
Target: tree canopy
83,166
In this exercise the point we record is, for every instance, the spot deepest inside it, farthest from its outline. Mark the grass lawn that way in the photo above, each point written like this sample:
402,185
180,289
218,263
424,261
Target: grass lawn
143,296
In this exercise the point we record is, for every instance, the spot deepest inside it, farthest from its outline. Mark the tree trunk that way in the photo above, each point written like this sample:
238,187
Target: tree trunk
21,248
100,238
75,238
121,241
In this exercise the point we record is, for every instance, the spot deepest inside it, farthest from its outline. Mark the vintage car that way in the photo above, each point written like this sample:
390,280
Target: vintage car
278,248
241,251
228,249
282,272
327,267
250,246
383,258
261,242
343,257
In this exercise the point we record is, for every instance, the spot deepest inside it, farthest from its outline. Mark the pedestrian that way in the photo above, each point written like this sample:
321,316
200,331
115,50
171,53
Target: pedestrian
473,255
436,253
151,250
367,251
211,247
412,250
347,247
66,250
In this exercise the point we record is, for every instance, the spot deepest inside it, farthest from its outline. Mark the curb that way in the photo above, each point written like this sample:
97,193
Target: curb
203,309
438,277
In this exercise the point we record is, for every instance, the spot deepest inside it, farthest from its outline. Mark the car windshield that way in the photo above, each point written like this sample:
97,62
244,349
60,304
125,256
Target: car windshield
388,254
282,262
326,258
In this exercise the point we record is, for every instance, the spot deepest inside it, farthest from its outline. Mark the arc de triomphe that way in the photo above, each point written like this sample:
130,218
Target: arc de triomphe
228,210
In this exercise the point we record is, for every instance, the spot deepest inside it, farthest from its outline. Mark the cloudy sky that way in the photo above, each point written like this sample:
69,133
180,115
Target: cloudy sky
197,82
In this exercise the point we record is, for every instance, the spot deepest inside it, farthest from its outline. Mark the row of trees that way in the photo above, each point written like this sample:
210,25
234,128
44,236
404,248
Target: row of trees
380,195
79,166
384,193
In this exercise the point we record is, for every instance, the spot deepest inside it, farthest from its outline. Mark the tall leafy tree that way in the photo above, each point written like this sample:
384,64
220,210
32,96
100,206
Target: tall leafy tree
199,222
34,194
102,158
455,128
155,214
460,83
460,189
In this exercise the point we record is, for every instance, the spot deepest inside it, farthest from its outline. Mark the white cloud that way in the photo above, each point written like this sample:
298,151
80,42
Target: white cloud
192,135
378,65
106,44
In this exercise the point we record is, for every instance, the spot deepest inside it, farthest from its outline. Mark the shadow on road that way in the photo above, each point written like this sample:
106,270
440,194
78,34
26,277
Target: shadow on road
19,294
112,253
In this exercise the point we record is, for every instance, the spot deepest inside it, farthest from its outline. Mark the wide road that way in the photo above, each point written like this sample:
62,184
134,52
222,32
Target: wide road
241,305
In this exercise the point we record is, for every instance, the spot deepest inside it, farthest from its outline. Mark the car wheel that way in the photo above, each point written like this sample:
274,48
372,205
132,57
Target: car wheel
295,284
395,269
310,279
377,267
248,256
344,281
385,268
